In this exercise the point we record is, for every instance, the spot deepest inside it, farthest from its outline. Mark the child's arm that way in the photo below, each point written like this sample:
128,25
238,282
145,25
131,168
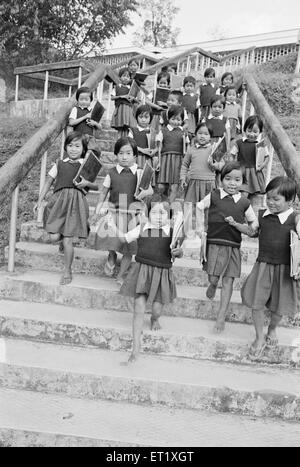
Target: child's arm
75,121
86,184
228,136
94,124
49,182
252,226
184,169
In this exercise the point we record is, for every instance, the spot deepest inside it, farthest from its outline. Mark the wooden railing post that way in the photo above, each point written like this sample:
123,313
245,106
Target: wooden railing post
17,88
42,183
110,89
13,230
244,107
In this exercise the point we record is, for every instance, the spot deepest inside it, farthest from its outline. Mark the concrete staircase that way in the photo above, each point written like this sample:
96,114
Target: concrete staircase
63,377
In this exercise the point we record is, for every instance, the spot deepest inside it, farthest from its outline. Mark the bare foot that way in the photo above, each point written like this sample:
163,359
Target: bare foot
66,278
155,324
257,348
211,291
219,326
272,339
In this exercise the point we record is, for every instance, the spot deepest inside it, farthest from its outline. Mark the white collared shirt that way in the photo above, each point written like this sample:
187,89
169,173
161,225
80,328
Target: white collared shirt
283,217
209,84
54,171
220,117
134,169
249,214
160,137
130,134
74,111
134,234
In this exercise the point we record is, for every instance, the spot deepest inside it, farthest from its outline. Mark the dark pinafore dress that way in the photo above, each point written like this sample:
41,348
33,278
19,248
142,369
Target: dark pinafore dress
152,274
247,158
67,211
123,115
171,156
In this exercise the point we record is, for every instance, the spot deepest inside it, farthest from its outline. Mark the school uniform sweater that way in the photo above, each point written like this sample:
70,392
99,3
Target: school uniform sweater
274,239
172,141
122,90
189,103
246,153
122,185
195,163
83,127
218,126
66,172
219,231
207,91
141,137
154,249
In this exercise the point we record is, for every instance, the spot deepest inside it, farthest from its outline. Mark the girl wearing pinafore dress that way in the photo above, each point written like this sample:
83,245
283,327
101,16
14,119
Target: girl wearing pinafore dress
123,117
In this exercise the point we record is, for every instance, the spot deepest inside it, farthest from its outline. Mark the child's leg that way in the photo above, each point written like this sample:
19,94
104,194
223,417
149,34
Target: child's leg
54,238
68,260
258,321
173,193
156,314
272,335
212,288
125,265
226,294
138,321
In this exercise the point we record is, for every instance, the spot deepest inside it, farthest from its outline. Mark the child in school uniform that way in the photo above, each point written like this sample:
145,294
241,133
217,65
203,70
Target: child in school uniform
67,212
174,100
220,128
123,117
226,81
227,209
270,284
145,138
245,152
233,112
171,141
80,118
163,81
151,278
207,91
197,176
121,184
191,103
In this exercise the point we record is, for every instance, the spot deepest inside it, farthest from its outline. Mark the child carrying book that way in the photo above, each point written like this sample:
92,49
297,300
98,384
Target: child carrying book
123,117
191,103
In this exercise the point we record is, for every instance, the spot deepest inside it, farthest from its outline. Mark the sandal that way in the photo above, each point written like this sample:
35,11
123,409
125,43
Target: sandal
109,270
271,342
257,352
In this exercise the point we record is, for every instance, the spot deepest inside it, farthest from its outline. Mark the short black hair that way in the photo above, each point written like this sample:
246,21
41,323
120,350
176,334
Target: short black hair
123,71
230,88
164,74
206,125
126,142
209,71
225,75
76,135
253,120
178,94
84,90
174,111
142,109
218,98
230,166
133,60
189,79
285,187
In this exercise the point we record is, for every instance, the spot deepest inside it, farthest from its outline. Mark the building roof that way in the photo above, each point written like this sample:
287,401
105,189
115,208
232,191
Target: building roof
276,38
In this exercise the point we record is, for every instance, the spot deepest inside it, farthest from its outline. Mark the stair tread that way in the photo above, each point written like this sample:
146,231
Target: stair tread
92,282
171,370
133,424
122,321
43,248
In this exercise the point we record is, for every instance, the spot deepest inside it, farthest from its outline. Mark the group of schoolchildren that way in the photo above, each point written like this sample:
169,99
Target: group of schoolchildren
196,142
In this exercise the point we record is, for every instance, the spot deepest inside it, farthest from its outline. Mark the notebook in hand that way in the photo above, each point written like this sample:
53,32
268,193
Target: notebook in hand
161,95
89,170
295,254
97,112
146,178
134,90
141,77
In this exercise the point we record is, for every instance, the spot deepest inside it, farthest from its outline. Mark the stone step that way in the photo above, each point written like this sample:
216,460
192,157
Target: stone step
152,380
88,261
30,419
96,293
34,232
112,330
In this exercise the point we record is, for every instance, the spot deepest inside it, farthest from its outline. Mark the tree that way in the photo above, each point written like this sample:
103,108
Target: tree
33,31
158,17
